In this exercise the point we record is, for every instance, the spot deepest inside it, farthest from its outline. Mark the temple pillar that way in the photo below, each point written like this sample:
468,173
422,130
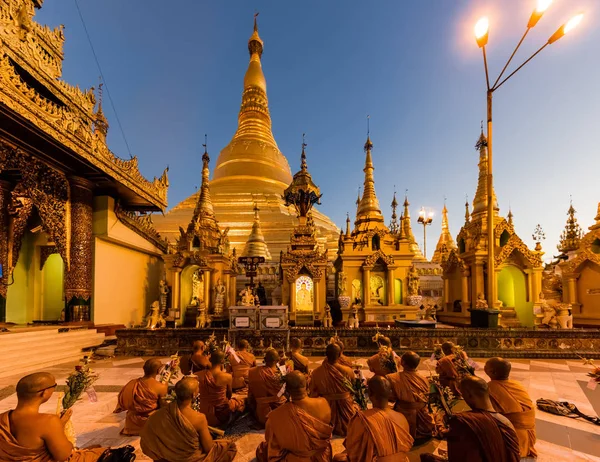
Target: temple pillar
4,201
391,296
208,284
528,281
366,286
232,290
292,288
446,291
226,281
572,289
536,284
176,289
78,275
318,307
464,279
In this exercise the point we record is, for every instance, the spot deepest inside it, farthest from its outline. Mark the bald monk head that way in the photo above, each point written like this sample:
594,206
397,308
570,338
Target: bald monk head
198,346
243,344
340,344
379,391
333,353
410,361
271,357
384,342
152,367
497,368
295,385
186,390
296,344
36,387
217,358
448,348
475,392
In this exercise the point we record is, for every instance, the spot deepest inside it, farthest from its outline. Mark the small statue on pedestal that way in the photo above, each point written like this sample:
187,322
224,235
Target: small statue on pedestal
481,303
247,297
353,319
201,317
164,290
219,297
155,318
327,321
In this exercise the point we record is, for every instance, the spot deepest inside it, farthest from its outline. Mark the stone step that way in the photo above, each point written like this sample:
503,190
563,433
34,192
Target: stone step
20,342
508,317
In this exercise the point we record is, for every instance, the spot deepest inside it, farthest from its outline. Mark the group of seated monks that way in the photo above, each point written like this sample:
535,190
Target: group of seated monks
300,410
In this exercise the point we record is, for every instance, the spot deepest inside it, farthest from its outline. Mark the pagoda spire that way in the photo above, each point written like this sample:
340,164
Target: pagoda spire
510,216
467,210
445,242
368,207
571,236
100,122
480,199
347,224
597,219
256,245
414,247
204,206
394,227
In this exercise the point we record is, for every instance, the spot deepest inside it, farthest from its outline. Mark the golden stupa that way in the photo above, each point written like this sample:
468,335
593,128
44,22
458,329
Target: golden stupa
251,172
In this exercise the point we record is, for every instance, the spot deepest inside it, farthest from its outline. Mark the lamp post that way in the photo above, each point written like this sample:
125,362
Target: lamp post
481,36
425,219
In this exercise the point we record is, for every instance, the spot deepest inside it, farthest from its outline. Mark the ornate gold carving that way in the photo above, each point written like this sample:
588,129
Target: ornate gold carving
515,243
45,252
313,261
142,225
453,261
584,253
374,257
4,199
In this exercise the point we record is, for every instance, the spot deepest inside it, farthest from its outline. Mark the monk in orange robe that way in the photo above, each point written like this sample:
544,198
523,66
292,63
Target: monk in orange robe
410,392
510,398
298,430
479,435
378,434
300,362
330,380
240,362
178,433
140,398
376,362
344,360
265,387
195,362
216,401
28,435
447,370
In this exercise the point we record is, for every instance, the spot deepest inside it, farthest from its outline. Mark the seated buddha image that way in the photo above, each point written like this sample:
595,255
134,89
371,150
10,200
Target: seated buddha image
377,290
304,298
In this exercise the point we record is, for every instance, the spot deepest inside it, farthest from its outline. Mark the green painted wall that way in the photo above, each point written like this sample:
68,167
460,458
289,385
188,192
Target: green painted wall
398,291
19,299
52,300
512,291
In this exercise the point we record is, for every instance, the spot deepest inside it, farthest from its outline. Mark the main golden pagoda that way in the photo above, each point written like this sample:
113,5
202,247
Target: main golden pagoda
251,172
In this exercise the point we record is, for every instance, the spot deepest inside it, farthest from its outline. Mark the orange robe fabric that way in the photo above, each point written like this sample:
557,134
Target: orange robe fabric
511,400
378,435
12,451
375,366
194,363
331,383
481,436
293,435
239,370
169,436
213,400
139,401
263,386
300,363
410,390
448,373
345,361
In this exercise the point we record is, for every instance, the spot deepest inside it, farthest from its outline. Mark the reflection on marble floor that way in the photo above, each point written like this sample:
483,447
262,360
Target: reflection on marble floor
559,438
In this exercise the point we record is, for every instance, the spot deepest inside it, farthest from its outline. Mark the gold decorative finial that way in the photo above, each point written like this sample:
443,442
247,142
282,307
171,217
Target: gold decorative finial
446,241
480,201
303,165
256,245
571,236
256,13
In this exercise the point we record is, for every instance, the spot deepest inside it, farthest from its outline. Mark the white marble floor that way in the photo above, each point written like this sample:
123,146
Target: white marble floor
559,438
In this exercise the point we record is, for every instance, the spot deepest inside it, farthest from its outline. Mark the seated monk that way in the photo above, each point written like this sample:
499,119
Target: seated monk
510,399
480,435
241,362
300,362
344,360
410,391
329,381
215,393
298,430
141,397
378,434
195,362
265,387
376,362
177,433
28,435
447,370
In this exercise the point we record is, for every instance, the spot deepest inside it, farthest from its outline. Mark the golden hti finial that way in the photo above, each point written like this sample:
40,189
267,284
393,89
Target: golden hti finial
256,245
394,227
467,213
571,236
347,224
509,216
303,165
368,210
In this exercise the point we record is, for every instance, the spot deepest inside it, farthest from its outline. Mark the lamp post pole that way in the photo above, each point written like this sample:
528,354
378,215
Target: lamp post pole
425,221
481,36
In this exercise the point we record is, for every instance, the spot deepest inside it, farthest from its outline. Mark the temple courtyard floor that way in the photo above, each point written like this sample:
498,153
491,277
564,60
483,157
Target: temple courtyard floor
559,438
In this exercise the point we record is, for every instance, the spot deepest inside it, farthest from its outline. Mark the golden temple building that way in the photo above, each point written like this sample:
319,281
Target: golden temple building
518,269
373,263
251,172
75,236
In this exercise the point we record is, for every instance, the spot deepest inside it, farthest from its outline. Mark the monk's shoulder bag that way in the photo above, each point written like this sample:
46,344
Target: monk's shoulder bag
564,408
122,454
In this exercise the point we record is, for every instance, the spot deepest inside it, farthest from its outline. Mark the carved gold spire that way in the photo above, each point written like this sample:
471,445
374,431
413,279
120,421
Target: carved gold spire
414,247
252,155
394,227
571,236
510,217
347,224
256,245
480,199
467,213
100,122
368,210
446,241
597,219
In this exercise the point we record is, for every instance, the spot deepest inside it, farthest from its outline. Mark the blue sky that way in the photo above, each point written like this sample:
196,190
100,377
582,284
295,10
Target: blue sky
175,71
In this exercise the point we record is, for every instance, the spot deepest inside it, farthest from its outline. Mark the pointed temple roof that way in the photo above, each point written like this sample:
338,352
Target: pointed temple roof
368,210
571,236
302,193
204,213
407,231
480,199
446,241
253,155
256,245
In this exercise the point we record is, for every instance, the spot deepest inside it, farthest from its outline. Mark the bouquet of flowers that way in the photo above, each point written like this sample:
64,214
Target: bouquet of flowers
387,359
212,344
464,365
171,370
78,381
440,402
358,389
595,374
